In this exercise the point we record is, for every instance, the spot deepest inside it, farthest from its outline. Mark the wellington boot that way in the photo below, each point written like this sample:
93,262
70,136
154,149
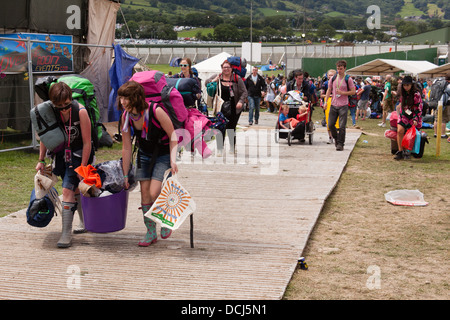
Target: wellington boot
80,227
150,237
67,218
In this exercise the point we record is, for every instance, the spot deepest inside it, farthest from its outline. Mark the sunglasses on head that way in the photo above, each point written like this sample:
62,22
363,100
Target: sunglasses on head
184,65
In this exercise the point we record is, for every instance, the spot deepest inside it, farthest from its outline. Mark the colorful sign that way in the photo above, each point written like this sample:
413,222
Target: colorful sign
46,57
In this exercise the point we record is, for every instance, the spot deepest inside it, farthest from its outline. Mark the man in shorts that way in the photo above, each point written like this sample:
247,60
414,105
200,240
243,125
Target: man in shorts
364,91
388,102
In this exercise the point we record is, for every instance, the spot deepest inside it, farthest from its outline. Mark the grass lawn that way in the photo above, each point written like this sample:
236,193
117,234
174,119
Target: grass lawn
359,235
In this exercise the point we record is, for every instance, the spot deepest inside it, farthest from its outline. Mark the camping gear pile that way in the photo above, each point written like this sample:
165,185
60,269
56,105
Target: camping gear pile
414,140
103,179
104,199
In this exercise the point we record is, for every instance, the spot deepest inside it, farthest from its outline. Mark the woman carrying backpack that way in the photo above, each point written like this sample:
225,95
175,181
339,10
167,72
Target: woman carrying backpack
409,111
232,89
150,174
77,151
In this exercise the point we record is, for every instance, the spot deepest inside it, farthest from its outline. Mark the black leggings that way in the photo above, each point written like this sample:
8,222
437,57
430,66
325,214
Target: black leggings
231,125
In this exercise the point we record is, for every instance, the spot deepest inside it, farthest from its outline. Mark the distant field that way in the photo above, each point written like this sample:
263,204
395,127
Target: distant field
193,32
409,10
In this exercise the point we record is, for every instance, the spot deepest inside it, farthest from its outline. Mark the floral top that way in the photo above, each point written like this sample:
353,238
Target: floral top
411,113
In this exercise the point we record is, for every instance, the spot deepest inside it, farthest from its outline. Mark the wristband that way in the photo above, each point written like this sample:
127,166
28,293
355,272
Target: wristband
42,161
125,176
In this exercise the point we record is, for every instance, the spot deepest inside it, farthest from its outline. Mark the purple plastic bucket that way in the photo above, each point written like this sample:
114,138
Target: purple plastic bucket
105,214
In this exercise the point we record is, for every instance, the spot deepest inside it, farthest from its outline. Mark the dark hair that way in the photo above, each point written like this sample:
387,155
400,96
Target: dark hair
341,63
59,93
299,73
134,92
189,63
407,97
226,61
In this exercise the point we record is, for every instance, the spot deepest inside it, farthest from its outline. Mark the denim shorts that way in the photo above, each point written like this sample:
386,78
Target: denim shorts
143,172
69,176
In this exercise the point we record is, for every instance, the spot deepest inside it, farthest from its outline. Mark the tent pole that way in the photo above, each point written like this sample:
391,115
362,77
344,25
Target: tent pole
31,88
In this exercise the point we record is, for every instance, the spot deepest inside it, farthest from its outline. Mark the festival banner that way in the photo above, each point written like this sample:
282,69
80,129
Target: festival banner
46,57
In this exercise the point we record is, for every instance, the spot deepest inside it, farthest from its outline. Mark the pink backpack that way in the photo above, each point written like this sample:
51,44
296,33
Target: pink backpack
170,99
157,90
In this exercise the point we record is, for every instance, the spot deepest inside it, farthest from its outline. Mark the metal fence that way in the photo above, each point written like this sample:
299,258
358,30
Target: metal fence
17,96
276,54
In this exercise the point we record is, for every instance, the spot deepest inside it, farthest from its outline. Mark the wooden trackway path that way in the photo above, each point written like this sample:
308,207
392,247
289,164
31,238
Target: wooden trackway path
249,230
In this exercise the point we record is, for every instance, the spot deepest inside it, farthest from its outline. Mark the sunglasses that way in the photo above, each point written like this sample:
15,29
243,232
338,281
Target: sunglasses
65,107
184,65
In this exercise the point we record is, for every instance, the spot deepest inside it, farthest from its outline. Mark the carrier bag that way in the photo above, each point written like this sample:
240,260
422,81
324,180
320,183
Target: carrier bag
173,205
46,124
188,87
409,138
412,198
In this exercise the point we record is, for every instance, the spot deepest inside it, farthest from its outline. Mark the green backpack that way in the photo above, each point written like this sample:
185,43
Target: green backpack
83,91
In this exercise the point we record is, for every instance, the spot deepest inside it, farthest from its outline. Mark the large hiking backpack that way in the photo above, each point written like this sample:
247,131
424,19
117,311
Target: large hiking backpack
48,127
238,65
83,91
436,92
157,90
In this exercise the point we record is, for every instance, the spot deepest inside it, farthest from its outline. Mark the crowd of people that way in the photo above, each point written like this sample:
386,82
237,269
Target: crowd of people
374,97
336,93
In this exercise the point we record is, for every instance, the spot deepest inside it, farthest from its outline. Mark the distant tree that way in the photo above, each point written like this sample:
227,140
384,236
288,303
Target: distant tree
436,23
226,32
325,30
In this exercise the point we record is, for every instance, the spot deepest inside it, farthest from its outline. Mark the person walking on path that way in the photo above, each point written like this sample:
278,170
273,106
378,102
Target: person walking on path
150,174
388,102
340,88
326,105
256,88
301,84
410,113
78,151
232,89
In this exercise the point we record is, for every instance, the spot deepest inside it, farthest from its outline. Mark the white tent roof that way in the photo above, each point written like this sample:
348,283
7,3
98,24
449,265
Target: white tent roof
390,66
440,71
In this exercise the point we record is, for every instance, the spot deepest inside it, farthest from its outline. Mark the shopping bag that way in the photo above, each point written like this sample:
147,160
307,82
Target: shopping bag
416,148
409,138
173,205
403,197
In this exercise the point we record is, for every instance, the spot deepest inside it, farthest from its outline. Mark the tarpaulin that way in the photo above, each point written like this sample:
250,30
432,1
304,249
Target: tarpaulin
119,73
90,175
